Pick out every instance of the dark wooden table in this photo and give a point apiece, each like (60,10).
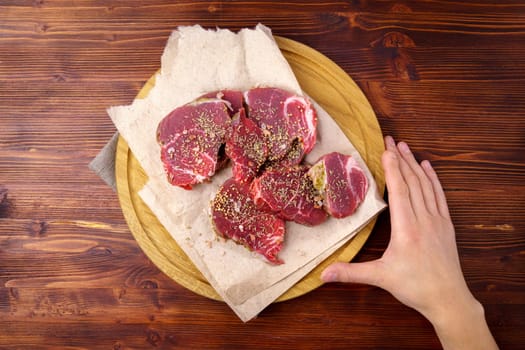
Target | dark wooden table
(447,77)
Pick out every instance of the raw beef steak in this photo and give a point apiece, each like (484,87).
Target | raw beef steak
(246,147)
(283,117)
(341,182)
(234,99)
(235,216)
(292,158)
(191,137)
(290,193)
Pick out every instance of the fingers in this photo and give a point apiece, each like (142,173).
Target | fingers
(415,192)
(425,192)
(441,200)
(425,185)
(401,211)
(367,273)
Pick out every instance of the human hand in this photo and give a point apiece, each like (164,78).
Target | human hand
(420,266)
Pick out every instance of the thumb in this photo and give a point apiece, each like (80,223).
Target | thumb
(367,273)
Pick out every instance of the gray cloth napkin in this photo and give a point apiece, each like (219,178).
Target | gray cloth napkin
(104,163)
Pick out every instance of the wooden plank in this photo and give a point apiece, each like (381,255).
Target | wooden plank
(378,63)
(446,76)
(365,22)
(65,253)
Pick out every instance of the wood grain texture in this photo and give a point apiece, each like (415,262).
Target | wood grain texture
(446,76)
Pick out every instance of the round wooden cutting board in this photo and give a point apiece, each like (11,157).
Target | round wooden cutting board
(329,86)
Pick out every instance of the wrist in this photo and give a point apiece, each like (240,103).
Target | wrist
(457,314)
(462,325)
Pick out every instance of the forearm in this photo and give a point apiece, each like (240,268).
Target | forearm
(464,327)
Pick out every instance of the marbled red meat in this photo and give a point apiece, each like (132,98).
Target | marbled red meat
(246,147)
(233,98)
(235,216)
(302,121)
(191,137)
(265,132)
(341,182)
(294,157)
(289,192)
(283,117)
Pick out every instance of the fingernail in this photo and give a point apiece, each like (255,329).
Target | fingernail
(329,276)
(404,147)
(426,164)
(389,140)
